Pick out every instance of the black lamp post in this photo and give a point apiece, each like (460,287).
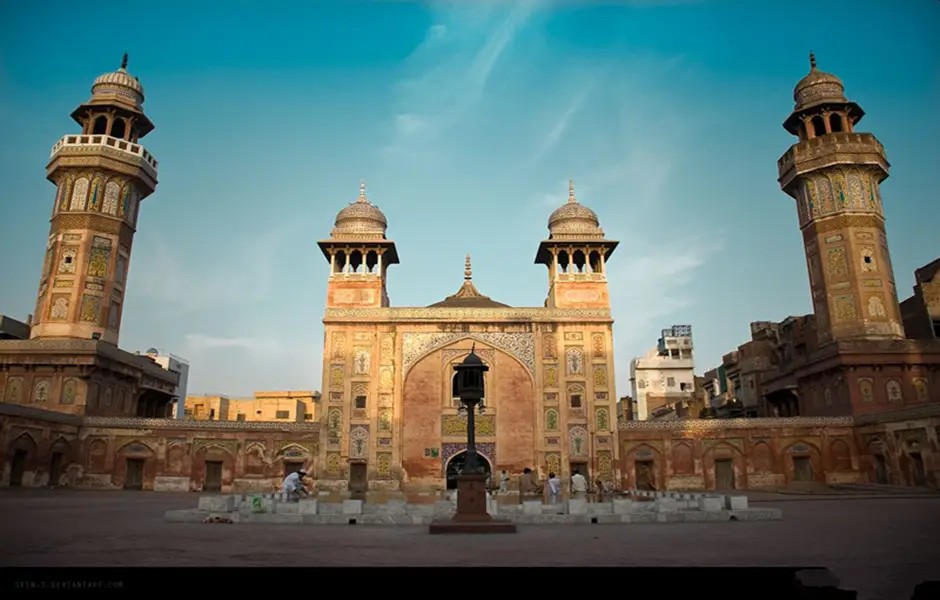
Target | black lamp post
(470,390)
(472,515)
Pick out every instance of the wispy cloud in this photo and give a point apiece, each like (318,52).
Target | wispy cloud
(447,74)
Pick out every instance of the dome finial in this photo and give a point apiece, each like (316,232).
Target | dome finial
(124,62)
(467,272)
(362,190)
(812,61)
(571,197)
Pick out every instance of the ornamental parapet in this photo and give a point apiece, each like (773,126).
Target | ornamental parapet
(80,143)
(170,423)
(720,424)
(467,314)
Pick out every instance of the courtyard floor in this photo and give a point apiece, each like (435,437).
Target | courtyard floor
(880,546)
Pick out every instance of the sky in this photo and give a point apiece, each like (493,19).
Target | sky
(466,120)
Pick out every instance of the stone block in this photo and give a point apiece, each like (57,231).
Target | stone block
(666,505)
(217,503)
(642,517)
(393,507)
(600,508)
(270,504)
(709,504)
(622,506)
(532,507)
(737,502)
(307,507)
(288,508)
(492,506)
(577,506)
(352,507)
(669,517)
(170,484)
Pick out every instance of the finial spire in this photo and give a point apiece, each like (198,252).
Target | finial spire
(362,190)
(812,61)
(571,197)
(467,272)
(124,62)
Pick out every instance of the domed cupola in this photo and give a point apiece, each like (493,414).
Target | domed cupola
(574,220)
(360,219)
(817,87)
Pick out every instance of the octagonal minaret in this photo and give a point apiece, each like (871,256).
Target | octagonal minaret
(101,176)
(833,172)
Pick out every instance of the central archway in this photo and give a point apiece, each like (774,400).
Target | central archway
(455,465)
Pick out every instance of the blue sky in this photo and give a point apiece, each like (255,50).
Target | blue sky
(466,120)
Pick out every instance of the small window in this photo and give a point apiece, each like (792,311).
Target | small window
(360,402)
(576,401)
(240,417)
(671,381)
(641,384)
(282,414)
(211,413)
(308,416)
(188,412)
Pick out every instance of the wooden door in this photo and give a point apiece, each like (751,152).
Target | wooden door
(213,482)
(802,468)
(881,469)
(17,468)
(644,475)
(358,481)
(724,474)
(55,468)
(134,474)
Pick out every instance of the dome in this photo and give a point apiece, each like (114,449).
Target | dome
(817,87)
(120,83)
(573,218)
(361,217)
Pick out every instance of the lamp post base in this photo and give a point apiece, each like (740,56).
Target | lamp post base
(471,516)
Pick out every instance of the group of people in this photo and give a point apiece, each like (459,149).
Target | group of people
(529,485)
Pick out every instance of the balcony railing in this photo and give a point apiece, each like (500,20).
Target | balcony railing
(106,140)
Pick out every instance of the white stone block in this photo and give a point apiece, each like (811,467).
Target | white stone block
(622,506)
(217,503)
(577,506)
(532,507)
(492,507)
(352,507)
(737,502)
(666,505)
(307,506)
(709,504)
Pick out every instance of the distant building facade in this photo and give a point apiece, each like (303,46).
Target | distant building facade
(298,406)
(665,376)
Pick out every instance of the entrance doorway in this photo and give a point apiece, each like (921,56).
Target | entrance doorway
(292,467)
(917,465)
(644,475)
(881,469)
(724,474)
(358,479)
(802,469)
(213,482)
(579,467)
(17,468)
(55,468)
(455,466)
(134,474)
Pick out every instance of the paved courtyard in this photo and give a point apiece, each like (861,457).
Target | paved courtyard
(880,547)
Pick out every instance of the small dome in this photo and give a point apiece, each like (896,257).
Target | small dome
(817,87)
(361,217)
(573,218)
(120,83)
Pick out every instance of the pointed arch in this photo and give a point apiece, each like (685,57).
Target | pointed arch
(527,362)
(25,440)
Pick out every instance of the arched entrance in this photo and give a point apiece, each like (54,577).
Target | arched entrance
(455,465)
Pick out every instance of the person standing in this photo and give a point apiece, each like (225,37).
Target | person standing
(578,484)
(504,482)
(554,488)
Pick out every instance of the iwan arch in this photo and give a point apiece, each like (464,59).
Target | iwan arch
(391,418)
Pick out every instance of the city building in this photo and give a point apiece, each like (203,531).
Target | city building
(921,312)
(179,366)
(294,406)
(664,376)
(391,415)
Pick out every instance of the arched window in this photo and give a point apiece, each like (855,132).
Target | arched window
(118,128)
(819,126)
(101,126)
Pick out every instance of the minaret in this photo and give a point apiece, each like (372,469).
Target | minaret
(576,254)
(833,173)
(359,256)
(101,175)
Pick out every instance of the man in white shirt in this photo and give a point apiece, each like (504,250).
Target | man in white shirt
(578,484)
(293,486)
